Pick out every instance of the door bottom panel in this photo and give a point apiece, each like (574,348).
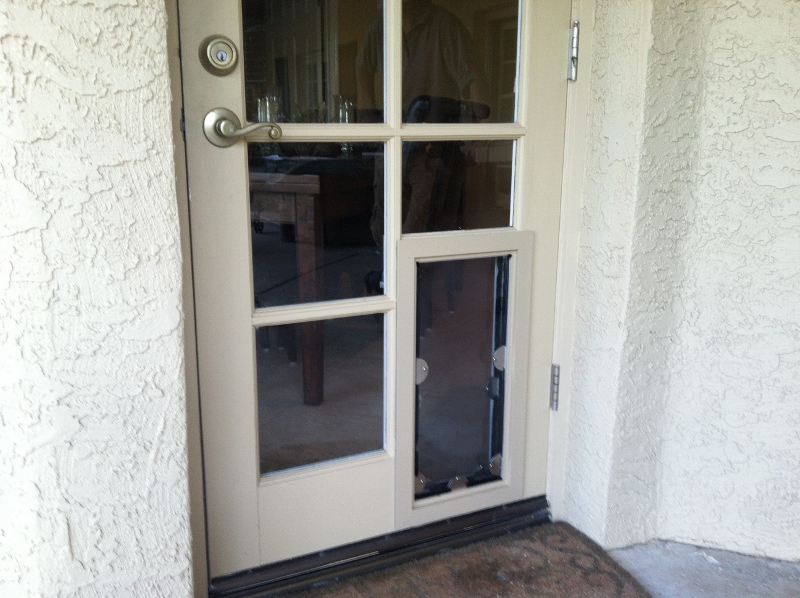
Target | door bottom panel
(390,549)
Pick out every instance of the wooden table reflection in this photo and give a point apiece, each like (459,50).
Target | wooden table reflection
(308,201)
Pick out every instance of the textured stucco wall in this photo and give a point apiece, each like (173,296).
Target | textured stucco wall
(615,137)
(731,439)
(686,395)
(672,119)
(92,399)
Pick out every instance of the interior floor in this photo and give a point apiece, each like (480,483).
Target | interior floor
(674,570)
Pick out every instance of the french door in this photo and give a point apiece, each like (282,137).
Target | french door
(374,202)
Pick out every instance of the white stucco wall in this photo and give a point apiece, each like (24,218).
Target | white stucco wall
(686,397)
(731,435)
(94,495)
(613,154)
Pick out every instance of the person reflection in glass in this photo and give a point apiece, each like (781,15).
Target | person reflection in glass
(441,83)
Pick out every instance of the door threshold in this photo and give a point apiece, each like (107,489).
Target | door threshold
(376,553)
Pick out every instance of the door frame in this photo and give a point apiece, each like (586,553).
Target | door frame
(194,442)
(576,136)
(572,165)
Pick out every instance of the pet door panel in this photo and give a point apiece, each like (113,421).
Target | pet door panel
(461,335)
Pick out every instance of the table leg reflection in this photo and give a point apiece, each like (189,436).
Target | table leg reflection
(280,198)
(309,257)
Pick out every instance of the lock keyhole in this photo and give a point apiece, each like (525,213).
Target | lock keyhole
(218,55)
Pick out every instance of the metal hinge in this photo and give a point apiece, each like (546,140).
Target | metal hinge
(555,374)
(572,70)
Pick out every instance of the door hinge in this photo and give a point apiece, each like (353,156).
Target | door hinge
(572,71)
(555,374)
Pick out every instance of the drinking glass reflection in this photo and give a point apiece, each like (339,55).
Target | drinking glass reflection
(300,59)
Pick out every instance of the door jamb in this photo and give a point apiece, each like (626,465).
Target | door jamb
(194,445)
(575,139)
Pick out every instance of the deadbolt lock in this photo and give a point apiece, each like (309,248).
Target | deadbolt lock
(218,55)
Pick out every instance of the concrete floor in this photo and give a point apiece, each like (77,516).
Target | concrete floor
(673,570)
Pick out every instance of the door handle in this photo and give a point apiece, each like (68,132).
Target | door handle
(223,128)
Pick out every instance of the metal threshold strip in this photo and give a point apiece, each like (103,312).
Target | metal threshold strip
(377,553)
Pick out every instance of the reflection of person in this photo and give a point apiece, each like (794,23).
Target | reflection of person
(438,57)
(440,74)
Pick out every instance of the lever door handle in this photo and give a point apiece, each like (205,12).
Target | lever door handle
(223,128)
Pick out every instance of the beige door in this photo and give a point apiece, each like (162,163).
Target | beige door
(374,276)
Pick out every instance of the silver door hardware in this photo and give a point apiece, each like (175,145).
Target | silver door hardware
(496,465)
(223,129)
(419,483)
(499,358)
(572,71)
(493,388)
(218,55)
(422,370)
(457,483)
(555,374)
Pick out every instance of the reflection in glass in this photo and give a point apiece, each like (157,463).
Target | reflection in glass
(459,61)
(453,185)
(300,59)
(328,406)
(461,324)
(315,232)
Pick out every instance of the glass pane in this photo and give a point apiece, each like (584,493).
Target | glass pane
(304,60)
(453,185)
(320,391)
(317,221)
(457,57)
(461,326)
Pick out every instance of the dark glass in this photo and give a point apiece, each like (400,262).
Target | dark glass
(454,185)
(304,60)
(461,324)
(459,60)
(317,221)
(320,391)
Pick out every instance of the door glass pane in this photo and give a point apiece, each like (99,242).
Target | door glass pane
(461,336)
(320,391)
(454,185)
(317,221)
(304,60)
(459,60)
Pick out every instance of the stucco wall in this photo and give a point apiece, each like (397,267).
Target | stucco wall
(92,399)
(616,105)
(685,403)
(731,437)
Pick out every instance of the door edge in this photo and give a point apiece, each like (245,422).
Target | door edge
(194,451)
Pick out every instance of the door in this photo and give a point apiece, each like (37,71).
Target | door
(374,201)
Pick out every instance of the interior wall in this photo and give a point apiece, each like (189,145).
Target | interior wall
(683,397)
(92,391)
